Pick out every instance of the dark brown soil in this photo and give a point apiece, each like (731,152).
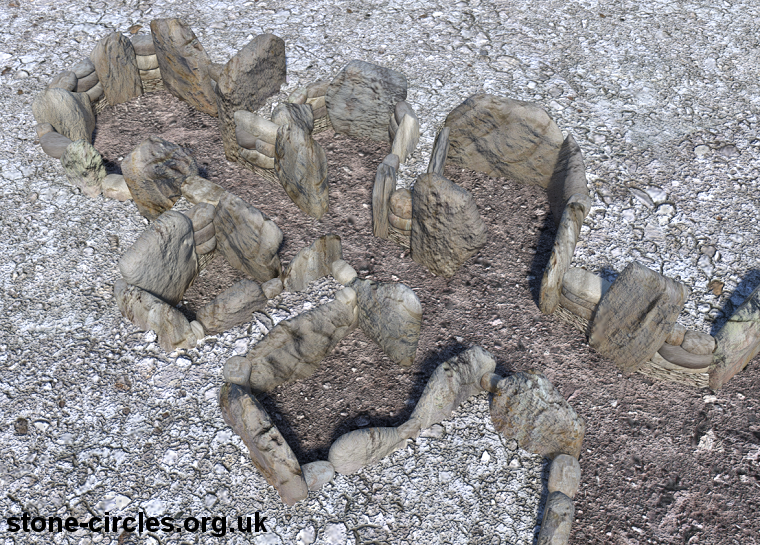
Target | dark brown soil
(644,478)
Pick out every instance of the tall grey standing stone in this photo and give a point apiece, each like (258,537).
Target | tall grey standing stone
(116,65)
(247,238)
(269,451)
(162,260)
(232,307)
(635,316)
(558,520)
(312,262)
(446,227)
(84,167)
(183,63)
(568,179)
(385,183)
(155,171)
(738,341)
(361,99)
(390,314)
(440,152)
(503,137)
(70,114)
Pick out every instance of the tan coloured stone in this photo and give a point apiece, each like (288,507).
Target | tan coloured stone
(317,89)
(258,159)
(197,190)
(312,262)
(147,62)
(115,187)
(354,450)
(402,224)
(70,114)
(143,44)
(697,342)
(245,139)
(568,179)
(294,114)
(299,96)
(676,336)
(316,103)
(558,520)
(146,75)
(678,356)
(406,139)
(83,68)
(232,307)
(738,341)
(115,63)
(401,203)
(265,149)
(272,288)
(342,272)
(580,284)
(256,125)
(95,93)
(564,475)
(202,215)
(385,184)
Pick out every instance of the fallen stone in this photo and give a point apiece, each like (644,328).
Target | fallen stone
(96,93)
(342,272)
(317,474)
(503,137)
(115,63)
(385,184)
(69,113)
(635,316)
(83,68)
(446,227)
(65,80)
(155,171)
(738,341)
(440,152)
(247,238)
(197,190)
(162,260)
(149,312)
(88,82)
(402,224)
(84,167)
(183,63)
(311,263)
(115,187)
(272,288)
(406,139)
(244,138)
(232,307)
(585,286)
(147,62)
(265,149)
(697,342)
(202,215)
(54,144)
(237,370)
(527,408)
(201,236)
(143,44)
(680,357)
(294,114)
(269,451)
(354,450)
(558,520)
(362,97)
(258,159)
(261,128)
(568,179)
(564,475)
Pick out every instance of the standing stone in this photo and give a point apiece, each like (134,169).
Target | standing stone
(385,183)
(272,288)
(294,114)
(143,44)
(312,262)
(70,114)
(446,227)
(115,63)
(558,520)
(564,475)
(155,171)
(636,315)
(162,261)
(232,307)
(84,167)
(269,451)
(407,137)
(390,314)
(568,179)
(183,63)
(503,137)
(65,80)
(88,82)
(440,152)
(247,238)
(527,408)
(197,190)
(342,272)
(361,99)
(738,341)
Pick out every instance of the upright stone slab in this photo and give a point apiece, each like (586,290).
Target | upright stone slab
(116,65)
(503,137)
(738,341)
(385,183)
(294,114)
(568,179)
(636,315)
(232,307)
(70,114)
(558,520)
(361,99)
(155,171)
(440,152)
(269,451)
(183,63)
(312,262)
(446,227)
(84,167)
(247,238)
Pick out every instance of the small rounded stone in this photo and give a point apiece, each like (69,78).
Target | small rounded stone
(237,370)
(565,475)
(401,203)
(342,272)
(272,288)
(197,328)
(317,474)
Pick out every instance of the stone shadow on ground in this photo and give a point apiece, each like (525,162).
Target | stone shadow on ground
(543,246)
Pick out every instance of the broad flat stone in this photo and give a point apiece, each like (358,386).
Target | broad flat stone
(294,348)
(88,82)
(146,62)
(83,68)
(452,383)
(201,236)
(115,63)
(162,260)
(301,166)
(584,286)
(115,187)
(318,474)
(440,152)
(354,450)
(390,314)
(95,93)
(312,262)
(65,80)
(503,137)
(687,360)
(697,342)
(361,99)
(342,272)
(446,227)
(232,307)
(269,451)
(294,114)
(558,520)
(247,238)
(149,312)
(84,167)
(143,44)
(155,171)
(568,179)
(738,341)
(527,408)
(256,158)
(54,144)
(564,475)
(635,316)
(69,113)
(406,139)
(183,63)
(265,149)
(385,184)
(197,190)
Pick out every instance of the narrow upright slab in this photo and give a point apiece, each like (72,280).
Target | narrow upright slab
(385,183)
(568,179)
(636,315)
(558,520)
(312,262)
(738,341)
(440,152)
(70,114)
(407,137)
(116,65)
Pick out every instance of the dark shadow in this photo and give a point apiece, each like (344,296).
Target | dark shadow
(112,167)
(747,285)
(544,496)
(544,247)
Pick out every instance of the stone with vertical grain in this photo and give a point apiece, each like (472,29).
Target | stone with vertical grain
(116,65)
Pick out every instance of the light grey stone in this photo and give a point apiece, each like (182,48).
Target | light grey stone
(54,144)
(261,128)
(69,113)
(272,288)
(392,161)
(83,68)
(206,247)
(568,179)
(317,474)
(564,475)
(401,109)
(197,190)
(342,272)
(143,44)
(115,63)
(232,307)
(95,93)
(43,128)
(317,89)
(237,370)
(440,152)
(697,342)
(312,262)
(197,329)
(681,358)
(385,184)
(558,520)
(406,139)
(84,167)
(584,285)
(147,62)
(64,80)
(299,96)
(294,114)
(354,450)
(265,148)
(88,82)
(201,236)
(258,159)
(244,138)
(676,336)
(202,215)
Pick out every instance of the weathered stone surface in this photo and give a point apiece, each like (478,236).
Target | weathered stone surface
(527,408)
(317,103)
(261,128)
(294,348)
(183,63)
(83,68)
(401,109)
(115,63)
(88,82)
(318,474)
(658,361)
(265,148)
(440,152)
(197,329)
(579,307)
(202,215)
(149,312)
(299,96)
(155,171)
(564,475)
(294,114)
(392,161)
(402,224)
(247,238)
(147,75)
(237,370)
(65,80)
(317,89)
(84,167)
(269,451)
(342,272)
(162,260)
(406,139)
(446,227)
(362,97)
(401,203)
(215,70)
(585,286)
(143,44)
(385,184)
(69,113)
(204,234)
(390,314)
(312,262)
(680,357)
(115,187)
(738,341)
(245,139)
(54,144)
(452,383)
(697,342)
(43,128)
(232,307)
(301,166)
(503,137)
(197,190)
(96,93)
(319,112)
(272,288)
(354,450)
(146,62)
(204,248)
(568,179)
(635,316)
(258,159)
(558,520)
(676,336)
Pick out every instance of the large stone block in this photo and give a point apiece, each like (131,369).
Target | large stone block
(232,307)
(738,341)
(116,66)
(70,114)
